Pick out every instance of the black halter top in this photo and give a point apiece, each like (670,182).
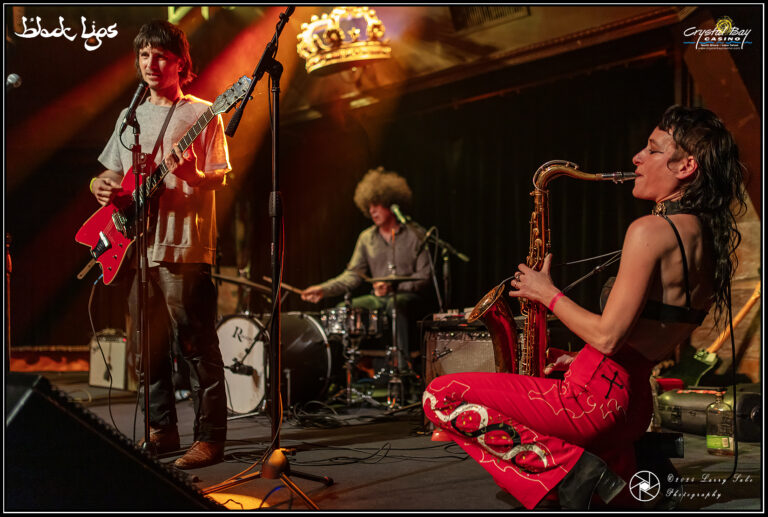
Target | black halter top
(655,310)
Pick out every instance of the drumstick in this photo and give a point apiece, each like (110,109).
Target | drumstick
(285,286)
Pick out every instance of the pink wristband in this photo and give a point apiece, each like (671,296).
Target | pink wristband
(553,301)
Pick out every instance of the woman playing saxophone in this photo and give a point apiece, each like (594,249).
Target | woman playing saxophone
(575,436)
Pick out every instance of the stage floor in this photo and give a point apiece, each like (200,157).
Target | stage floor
(381,460)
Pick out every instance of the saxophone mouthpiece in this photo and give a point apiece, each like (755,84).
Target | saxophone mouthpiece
(618,177)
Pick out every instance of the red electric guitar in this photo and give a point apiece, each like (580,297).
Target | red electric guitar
(110,232)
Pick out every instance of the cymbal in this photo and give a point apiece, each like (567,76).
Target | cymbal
(242,281)
(393,278)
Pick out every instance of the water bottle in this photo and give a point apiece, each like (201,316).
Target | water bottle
(720,437)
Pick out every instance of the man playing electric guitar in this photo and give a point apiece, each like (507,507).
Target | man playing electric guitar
(181,240)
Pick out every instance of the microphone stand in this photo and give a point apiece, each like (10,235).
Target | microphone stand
(446,275)
(432,271)
(447,250)
(141,326)
(276,465)
(614,256)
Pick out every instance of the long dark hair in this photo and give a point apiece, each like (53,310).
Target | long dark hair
(163,34)
(716,193)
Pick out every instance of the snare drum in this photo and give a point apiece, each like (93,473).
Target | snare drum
(340,321)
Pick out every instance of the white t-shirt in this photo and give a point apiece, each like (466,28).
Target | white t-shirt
(186,216)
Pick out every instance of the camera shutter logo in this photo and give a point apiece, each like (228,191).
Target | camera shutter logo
(644,486)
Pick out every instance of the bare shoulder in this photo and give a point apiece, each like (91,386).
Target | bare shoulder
(650,233)
(647,226)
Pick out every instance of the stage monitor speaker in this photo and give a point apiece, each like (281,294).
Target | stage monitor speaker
(61,457)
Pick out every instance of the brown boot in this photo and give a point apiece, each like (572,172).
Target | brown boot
(163,439)
(201,454)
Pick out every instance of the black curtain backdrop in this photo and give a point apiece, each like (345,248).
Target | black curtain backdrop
(471,168)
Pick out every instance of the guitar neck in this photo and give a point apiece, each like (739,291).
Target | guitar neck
(153,181)
(714,347)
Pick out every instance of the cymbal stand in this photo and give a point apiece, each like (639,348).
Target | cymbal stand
(395,388)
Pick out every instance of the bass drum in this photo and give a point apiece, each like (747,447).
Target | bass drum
(307,365)
(242,340)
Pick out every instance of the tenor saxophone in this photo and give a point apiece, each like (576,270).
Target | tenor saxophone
(524,351)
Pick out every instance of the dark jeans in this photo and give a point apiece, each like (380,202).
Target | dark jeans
(411,307)
(181,315)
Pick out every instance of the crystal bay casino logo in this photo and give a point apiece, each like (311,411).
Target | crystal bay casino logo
(725,36)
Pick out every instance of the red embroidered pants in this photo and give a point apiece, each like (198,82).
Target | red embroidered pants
(528,432)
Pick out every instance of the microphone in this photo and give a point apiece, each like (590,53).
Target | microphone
(141,91)
(13,81)
(399,215)
(240,368)
(425,240)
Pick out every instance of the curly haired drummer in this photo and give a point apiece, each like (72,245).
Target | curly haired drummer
(384,249)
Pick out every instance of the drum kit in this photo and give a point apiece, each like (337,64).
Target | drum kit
(308,364)
(353,325)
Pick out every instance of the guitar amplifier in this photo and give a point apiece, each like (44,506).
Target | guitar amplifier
(453,345)
(113,344)
(452,348)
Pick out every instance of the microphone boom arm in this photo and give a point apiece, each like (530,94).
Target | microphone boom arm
(266,62)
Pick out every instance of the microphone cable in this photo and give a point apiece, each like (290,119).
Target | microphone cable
(101,350)
(733,382)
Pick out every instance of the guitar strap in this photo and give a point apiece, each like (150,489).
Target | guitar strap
(151,159)
(162,132)
(130,255)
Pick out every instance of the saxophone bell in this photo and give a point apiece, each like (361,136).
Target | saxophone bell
(494,311)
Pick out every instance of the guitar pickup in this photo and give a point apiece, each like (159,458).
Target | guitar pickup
(119,220)
(102,246)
